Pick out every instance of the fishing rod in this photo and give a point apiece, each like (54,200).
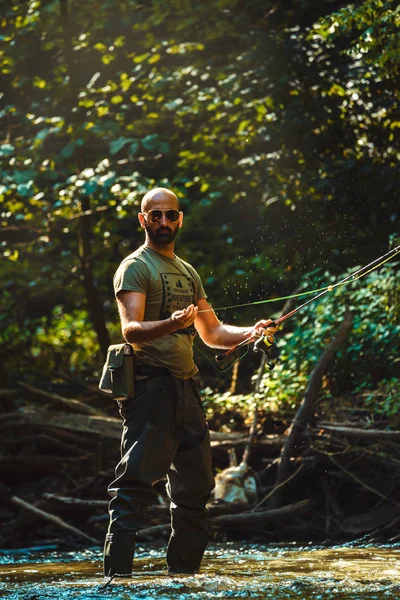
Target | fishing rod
(265,341)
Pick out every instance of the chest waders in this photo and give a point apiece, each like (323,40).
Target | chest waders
(164,434)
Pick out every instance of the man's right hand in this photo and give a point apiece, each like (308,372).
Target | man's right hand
(184,318)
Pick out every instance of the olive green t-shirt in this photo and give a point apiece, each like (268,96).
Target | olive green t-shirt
(169,284)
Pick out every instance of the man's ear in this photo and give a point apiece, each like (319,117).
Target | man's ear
(180,219)
(141,220)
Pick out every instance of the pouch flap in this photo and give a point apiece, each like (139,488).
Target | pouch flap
(115,356)
(114,360)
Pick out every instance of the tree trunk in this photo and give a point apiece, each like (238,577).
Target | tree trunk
(92,296)
(84,236)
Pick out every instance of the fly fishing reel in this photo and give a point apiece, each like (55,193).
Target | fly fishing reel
(266,343)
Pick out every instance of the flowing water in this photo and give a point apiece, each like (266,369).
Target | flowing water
(230,570)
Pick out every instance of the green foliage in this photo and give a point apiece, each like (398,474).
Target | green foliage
(374,27)
(275,129)
(385,399)
(67,336)
(365,368)
(372,351)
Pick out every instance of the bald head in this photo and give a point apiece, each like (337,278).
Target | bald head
(161,218)
(157,198)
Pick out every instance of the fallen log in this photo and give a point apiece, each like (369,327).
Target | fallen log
(42,439)
(149,533)
(98,424)
(8,393)
(45,515)
(29,465)
(70,403)
(375,518)
(257,520)
(111,427)
(250,521)
(264,440)
(366,434)
(9,419)
(221,436)
(77,501)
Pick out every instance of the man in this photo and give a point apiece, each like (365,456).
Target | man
(161,303)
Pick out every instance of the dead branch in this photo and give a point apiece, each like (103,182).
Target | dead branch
(149,533)
(257,520)
(307,407)
(74,405)
(109,427)
(249,442)
(227,442)
(8,393)
(218,436)
(277,487)
(48,440)
(253,428)
(35,463)
(76,501)
(361,482)
(49,517)
(362,434)
(375,519)
(248,521)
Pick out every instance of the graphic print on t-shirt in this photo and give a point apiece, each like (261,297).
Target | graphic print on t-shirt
(178,293)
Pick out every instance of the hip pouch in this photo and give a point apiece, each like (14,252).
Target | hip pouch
(118,376)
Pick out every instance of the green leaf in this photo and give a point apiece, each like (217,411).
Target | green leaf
(89,187)
(165,147)
(100,47)
(133,148)
(42,135)
(151,142)
(118,144)
(23,176)
(6,149)
(68,150)
(25,189)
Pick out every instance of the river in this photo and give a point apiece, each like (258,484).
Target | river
(230,570)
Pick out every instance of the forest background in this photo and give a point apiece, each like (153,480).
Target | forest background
(276,125)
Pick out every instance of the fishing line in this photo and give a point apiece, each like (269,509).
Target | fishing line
(352,277)
(319,291)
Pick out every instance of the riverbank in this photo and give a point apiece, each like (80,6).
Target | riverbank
(339,484)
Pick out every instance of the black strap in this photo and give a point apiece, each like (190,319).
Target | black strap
(148,371)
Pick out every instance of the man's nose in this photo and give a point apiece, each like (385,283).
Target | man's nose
(163,220)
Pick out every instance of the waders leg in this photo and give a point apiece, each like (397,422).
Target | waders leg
(145,462)
(119,549)
(190,482)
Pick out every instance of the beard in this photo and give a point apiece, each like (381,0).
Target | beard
(163,235)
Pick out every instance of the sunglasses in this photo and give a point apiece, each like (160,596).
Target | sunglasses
(155,216)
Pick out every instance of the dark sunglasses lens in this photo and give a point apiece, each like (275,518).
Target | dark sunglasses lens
(172,215)
(155,215)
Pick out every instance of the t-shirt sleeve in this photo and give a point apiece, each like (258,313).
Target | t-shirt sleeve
(132,276)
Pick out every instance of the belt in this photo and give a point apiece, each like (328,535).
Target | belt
(148,371)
